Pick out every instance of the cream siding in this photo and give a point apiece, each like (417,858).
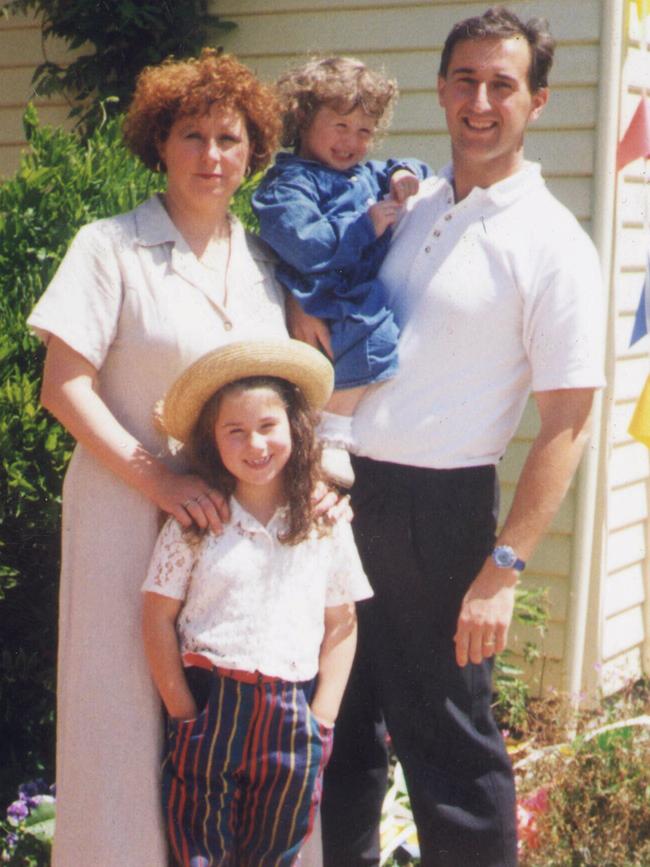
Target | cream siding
(21,51)
(623,609)
(405,38)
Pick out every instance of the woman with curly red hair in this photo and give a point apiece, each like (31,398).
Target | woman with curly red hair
(136,299)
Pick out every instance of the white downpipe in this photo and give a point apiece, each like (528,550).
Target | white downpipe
(587,559)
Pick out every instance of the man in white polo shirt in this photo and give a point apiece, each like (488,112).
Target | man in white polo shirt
(497,292)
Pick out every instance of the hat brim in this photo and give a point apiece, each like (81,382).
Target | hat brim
(287,359)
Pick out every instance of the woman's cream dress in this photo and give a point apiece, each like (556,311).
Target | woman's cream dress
(131,297)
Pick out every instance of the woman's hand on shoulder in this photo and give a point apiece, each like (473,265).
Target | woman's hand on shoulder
(191,501)
(331,504)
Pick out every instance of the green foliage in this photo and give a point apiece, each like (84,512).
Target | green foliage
(512,693)
(125,35)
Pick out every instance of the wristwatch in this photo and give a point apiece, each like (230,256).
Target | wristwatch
(505,558)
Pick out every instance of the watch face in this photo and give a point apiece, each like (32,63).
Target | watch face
(504,556)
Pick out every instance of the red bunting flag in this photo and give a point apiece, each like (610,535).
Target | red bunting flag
(636,141)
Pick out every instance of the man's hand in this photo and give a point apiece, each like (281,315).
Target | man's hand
(485,614)
(403,184)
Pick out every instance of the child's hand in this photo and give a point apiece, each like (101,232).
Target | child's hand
(403,184)
(184,712)
(383,214)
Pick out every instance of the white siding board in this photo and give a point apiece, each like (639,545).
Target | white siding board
(628,505)
(623,632)
(630,377)
(624,590)
(629,463)
(621,413)
(628,292)
(634,246)
(623,331)
(626,547)
(634,200)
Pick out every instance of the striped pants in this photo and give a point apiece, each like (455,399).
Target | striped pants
(242,781)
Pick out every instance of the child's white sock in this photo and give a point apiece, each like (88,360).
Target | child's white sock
(334,428)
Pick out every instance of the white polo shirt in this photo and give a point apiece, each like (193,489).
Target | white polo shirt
(251,602)
(496,294)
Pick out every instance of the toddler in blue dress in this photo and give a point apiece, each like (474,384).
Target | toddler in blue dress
(328,215)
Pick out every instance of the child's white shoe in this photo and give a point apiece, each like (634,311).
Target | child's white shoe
(336,464)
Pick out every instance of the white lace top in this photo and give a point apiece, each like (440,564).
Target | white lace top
(251,602)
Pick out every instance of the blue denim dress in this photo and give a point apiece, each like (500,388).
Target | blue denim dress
(316,219)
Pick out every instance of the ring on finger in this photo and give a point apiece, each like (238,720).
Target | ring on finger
(186,503)
(200,497)
(489,642)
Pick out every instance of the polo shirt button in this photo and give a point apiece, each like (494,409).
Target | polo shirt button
(427,249)
(437,233)
(447,217)
(227,326)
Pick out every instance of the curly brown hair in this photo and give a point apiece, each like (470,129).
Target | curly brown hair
(181,88)
(302,470)
(342,83)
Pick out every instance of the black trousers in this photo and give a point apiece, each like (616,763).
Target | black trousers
(423,535)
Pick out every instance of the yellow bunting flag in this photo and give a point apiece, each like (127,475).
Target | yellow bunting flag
(641,8)
(640,424)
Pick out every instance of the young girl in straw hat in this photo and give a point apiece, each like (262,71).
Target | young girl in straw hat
(250,634)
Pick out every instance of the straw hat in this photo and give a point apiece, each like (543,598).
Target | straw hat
(286,359)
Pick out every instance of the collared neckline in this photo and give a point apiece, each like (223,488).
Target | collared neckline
(240,516)
(503,192)
(154,225)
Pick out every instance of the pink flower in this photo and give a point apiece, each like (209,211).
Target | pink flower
(528,809)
